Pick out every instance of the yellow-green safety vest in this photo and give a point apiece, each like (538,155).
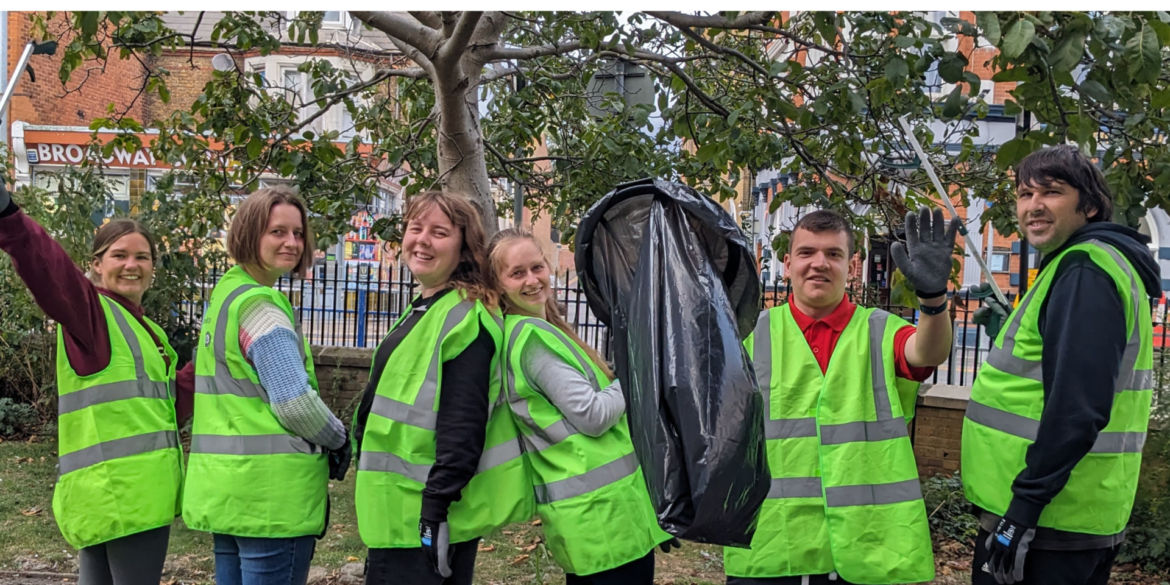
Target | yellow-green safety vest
(120,467)
(845,492)
(398,445)
(249,476)
(590,493)
(1007,401)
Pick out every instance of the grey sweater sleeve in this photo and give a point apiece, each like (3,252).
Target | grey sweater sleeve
(588,409)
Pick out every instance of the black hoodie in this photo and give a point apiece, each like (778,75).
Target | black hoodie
(1082,324)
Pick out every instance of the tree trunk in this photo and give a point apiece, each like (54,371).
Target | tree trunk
(462,168)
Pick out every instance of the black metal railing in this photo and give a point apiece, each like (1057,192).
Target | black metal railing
(355,308)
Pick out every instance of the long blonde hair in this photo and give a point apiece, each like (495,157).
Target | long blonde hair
(498,245)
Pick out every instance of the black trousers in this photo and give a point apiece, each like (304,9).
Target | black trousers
(409,566)
(1051,567)
(636,572)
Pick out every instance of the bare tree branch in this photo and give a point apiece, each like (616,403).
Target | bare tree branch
(456,44)
(430,19)
(417,41)
(744,20)
(725,51)
(503,53)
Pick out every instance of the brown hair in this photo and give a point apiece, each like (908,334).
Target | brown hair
(552,309)
(825,220)
(113,231)
(251,221)
(468,274)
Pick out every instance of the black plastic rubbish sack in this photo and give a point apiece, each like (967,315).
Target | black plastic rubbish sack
(674,278)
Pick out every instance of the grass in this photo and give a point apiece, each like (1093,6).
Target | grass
(514,555)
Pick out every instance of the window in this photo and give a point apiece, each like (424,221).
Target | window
(329,19)
(999,261)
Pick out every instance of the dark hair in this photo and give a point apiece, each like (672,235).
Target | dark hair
(1067,164)
(825,220)
(552,309)
(115,229)
(251,221)
(468,274)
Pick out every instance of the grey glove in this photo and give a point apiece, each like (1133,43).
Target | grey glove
(436,545)
(1008,546)
(925,258)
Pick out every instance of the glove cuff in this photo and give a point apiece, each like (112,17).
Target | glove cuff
(929,295)
(434,511)
(1023,513)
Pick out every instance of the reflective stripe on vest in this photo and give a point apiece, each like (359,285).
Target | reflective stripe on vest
(561,430)
(884,428)
(1129,378)
(223,382)
(140,387)
(422,414)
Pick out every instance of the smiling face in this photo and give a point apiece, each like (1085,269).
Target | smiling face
(1048,213)
(126,267)
(282,244)
(431,248)
(524,278)
(818,266)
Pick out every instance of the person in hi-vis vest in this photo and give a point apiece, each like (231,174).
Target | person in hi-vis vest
(1053,433)
(839,384)
(263,444)
(439,465)
(571,413)
(120,466)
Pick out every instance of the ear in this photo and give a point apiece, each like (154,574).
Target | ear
(787,266)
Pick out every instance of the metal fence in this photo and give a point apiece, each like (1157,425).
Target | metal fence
(337,307)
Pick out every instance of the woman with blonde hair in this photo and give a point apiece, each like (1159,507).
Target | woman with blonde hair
(438,466)
(597,517)
(263,444)
(120,463)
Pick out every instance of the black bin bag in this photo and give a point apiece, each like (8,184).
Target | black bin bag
(674,278)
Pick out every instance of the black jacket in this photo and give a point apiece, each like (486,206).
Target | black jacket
(1082,324)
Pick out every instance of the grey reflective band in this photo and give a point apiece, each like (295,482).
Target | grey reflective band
(498,455)
(1027,428)
(762,360)
(877,365)
(1128,378)
(422,413)
(391,463)
(129,335)
(790,428)
(116,449)
(252,444)
(794,487)
(221,381)
(102,393)
(543,437)
(881,430)
(873,494)
(589,481)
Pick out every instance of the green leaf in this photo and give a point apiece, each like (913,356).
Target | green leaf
(1019,34)
(953,106)
(1013,74)
(897,71)
(989,26)
(1096,90)
(1068,52)
(89,23)
(1143,56)
(950,68)
(1012,152)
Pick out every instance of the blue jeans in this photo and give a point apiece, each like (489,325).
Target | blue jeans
(241,560)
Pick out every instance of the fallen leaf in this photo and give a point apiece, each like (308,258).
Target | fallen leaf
(531,547)
(536,522)
(507,532)
(486,547)
(33,511)
(352,559)
(519,559)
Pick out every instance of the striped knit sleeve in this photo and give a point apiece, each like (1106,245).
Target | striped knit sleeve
(269,340)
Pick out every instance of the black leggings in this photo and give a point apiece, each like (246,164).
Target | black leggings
(409,566)
(136,559)
(636,572)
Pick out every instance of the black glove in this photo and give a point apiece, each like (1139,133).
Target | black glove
(666,547)
(435,545)
(925,258)
(1008,546)
(993,314)
(339,460)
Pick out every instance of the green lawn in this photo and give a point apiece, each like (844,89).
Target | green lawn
(515,555)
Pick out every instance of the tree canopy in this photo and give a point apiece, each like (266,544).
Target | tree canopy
(468,97)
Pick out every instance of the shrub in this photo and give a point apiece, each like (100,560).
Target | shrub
(16,419)
(947,508)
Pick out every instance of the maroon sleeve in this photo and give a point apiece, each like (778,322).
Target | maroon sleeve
(61,290)
(902,367)
(185,392)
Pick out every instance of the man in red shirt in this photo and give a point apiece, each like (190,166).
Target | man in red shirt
(839,384)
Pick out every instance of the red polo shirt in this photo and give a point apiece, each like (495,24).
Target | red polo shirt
(822,336)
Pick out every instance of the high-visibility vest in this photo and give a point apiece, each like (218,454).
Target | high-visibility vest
(584,486)
(1007,401)
(398,445)
(845,492)
(249,476)
(120,468)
